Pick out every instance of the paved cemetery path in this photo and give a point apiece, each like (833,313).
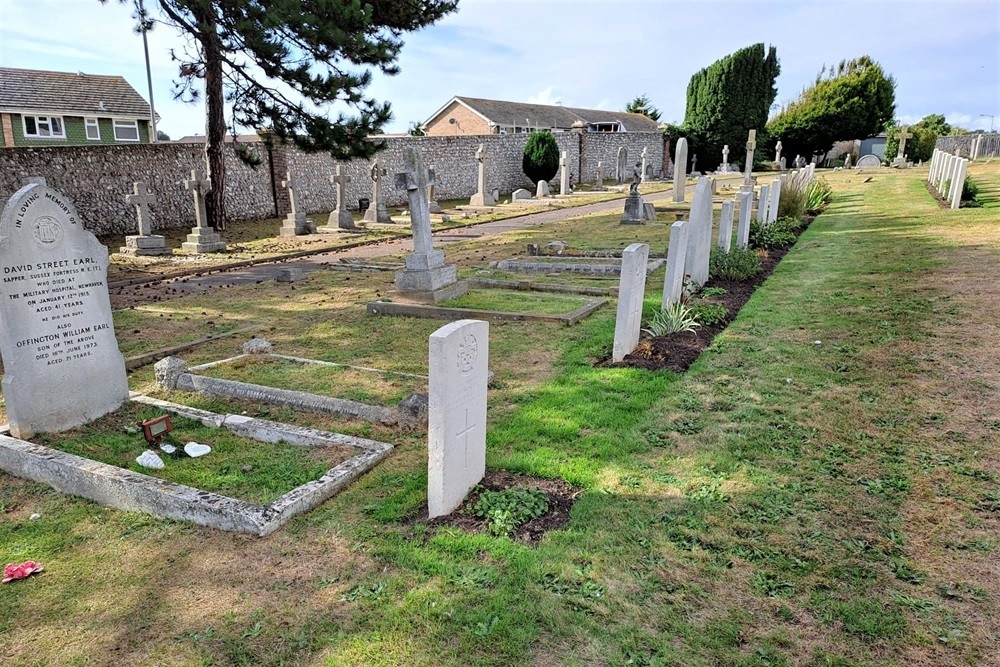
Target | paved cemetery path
(135,295)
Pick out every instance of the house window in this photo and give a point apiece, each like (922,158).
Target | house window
(43,127)
(503,130)
(93,129)
(126,130)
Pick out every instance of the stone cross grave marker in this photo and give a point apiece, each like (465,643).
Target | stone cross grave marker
(726,225)
(295,223)
(563,175)
(377,211)
(694,163)
(903,136)
(777,152)
(743,229)
(724,167)
(680,164)
(341,218)
(202,237)
(763,202)
(772,207)
(432,205)
(748,168)
(458,362)
(426,276)
(700,232)
(62,365)
(599,181)
(673,284)
(482,197)
(631,291)
(145,243)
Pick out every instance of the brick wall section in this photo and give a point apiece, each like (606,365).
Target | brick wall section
(97,178)
(6,130)
(466,122)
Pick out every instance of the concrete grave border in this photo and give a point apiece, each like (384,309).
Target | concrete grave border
(392,308)
(570,264)
(131,491)
(410,412)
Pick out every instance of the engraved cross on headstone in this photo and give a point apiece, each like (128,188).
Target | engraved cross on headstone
(777,151)
(725,154)
(142,198)
(415,181)
(464,435)
(199,186)
(289,184)
(339,180)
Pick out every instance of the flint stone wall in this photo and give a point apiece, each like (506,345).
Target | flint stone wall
(990,145)
(97,178)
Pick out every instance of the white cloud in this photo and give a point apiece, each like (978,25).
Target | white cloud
(546,96)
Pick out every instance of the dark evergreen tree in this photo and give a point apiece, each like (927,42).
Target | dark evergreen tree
(541,157)
(727,99)
(644,106)
(854,100)
(278,63)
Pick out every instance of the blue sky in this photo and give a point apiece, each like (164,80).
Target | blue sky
(944,54)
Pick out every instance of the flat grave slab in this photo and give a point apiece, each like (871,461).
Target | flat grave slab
(399,309)
(610,266)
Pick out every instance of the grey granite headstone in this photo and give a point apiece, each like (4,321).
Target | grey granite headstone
(62,366)
(458,362)
(426,277)
(621,165)
(631,292)
(868,161)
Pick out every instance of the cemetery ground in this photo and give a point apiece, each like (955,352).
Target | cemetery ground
(820,488)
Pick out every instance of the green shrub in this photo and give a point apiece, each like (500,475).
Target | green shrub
(739,264)
(817,196)
(673,319)
(506,510)
(707,292)
(792,203)
(779,234)
(970,194)
(541,157)
(709,314)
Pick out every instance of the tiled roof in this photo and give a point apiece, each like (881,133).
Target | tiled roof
(547,116)
(68,92)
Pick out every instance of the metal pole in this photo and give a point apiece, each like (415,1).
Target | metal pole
(149,74)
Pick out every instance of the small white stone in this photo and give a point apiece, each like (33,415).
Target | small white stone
(168,449)
(817,342)
(149,459)
(35,517)
(788,380)
(194,449)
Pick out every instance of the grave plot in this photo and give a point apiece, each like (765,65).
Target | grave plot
(385,397)
(599,266)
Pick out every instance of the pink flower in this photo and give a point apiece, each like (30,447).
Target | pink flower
(13,571)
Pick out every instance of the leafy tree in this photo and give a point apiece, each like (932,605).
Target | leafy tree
(851,101)
(642,105)
(415,130)
(162,136)
(728,98)
(541,156)
(278,64)
(923,137)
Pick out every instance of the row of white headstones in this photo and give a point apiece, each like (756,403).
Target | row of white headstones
(947,175)
(689,250)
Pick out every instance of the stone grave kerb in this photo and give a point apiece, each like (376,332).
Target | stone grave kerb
(62,364)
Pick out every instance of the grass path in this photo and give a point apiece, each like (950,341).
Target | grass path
(820,489)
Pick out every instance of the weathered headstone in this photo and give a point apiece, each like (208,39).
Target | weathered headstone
(777,152)
(377,210)
(145,243)
(631,292)
(673,285)
(426,277)
(748,167)
(746,211)
(295,223)
(763,202)
(542,190)
(900,161)
(563,175)
(680,165)
(700,232)
(725,168)
(482,197)
(621,165)
(432,204)
(520,194)
(458,362)
(202,237)
(726,225)
(634,212)
(599,181)
(341,218)
(847,161)
(644,155)
(62,366)
(694,163)
(782,164)
(772,207)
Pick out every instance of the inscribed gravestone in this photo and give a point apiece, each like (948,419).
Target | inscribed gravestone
(700,232)
(763,202)
(673,284)
(743,230)
(563,175)
(631,291)
(772,207)
(621,165)
(57,339)
(726,225)
(456,420)
(680,164)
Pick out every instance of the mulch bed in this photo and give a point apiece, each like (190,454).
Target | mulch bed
(561,497)
(676,352)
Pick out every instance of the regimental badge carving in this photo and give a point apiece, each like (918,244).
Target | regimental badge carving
(468,352)
(47,232)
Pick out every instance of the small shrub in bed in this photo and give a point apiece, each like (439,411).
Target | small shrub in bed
(739,264)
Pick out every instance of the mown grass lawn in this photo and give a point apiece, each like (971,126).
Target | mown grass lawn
(819,489)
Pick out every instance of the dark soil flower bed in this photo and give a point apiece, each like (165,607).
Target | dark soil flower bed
(676,352)
(561,496)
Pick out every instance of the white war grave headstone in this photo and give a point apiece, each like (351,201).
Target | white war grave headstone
(680,165)
(763,202)
(340,218)
(631,292)
(426,277)
(563,175)
(202,237)
(673,284)
(700,233)
(726,224)
(62,365)
(743,229)
(772,207)
(482,197)
(458,365)
(145,243)
(377,211)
